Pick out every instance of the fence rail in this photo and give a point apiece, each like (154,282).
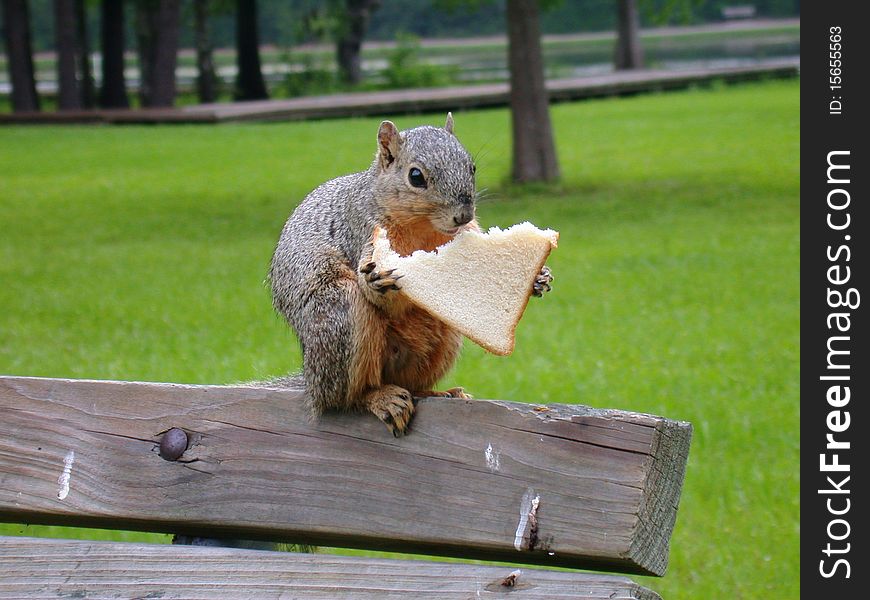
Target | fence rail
(560,485)
(397,102)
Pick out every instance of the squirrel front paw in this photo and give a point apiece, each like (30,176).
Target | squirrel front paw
(393,405)
(454,392)
(542,282)
(381,281)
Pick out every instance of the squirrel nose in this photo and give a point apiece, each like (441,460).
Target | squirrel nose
(465,215)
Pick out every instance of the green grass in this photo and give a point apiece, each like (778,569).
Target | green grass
(140,253)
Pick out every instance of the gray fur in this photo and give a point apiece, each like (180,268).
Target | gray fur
(327,235)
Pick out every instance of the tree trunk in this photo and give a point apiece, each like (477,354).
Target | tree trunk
(628,53)
(113,93)
(355,22)
(19,56)
(206,78)
(144,48)
(249,83)
(68,96)
(534,153)
(166,52)
(157,38)
(83,52)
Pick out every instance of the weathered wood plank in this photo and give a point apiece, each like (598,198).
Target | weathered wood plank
(39,568)
(606,483)
(411,101)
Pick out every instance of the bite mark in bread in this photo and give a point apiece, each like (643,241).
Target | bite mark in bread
(478,283)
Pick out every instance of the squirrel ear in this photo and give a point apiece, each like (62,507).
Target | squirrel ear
(388,143)
(449,125)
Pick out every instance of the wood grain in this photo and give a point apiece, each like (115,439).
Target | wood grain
(39,568)
(607,483)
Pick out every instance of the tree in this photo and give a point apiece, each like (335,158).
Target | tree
(113,93)
(157,40)
(249,82)
(65,30)
(19,55)
(353,24)
(534,152)
(206,78)
(628,53)
(83,51)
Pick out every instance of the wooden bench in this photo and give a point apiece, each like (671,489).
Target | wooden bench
(555,485)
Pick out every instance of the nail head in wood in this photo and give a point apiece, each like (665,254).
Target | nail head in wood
(173,444)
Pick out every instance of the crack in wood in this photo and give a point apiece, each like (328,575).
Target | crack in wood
(122,436)
(569,439)
(187,464)
(573,413)
(248,428)
(533,523)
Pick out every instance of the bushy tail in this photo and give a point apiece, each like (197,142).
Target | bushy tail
(293,382)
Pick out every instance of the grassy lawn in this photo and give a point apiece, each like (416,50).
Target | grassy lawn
(140,253)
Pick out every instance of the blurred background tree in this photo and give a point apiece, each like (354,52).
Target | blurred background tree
(206,76)
(83,52)
(534,151)
(628,52)
(68,93)
(277,19)
(16,34)
(283,47)
(353,22)
(249,81)
(113,92)
(157,23)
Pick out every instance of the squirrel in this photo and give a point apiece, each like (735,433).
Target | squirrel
(364,345)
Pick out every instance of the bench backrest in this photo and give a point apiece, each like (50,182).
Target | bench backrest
(560,485)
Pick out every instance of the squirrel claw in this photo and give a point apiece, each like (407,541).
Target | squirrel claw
(380,281)
(372,276)
(459,392)
(454,392)
(387,285)
(394,406)
(542,282)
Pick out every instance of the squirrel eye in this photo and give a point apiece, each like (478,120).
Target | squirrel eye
(415,177)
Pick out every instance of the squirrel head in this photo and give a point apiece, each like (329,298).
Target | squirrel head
(424,174)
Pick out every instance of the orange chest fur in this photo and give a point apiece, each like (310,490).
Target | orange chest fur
(418,234)
(419,350)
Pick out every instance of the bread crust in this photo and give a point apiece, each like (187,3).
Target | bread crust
(520,251)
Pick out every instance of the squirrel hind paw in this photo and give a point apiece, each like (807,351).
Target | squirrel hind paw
(394,406)
(454,392)
(459,392)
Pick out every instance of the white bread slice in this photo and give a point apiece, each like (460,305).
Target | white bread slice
(478,283)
